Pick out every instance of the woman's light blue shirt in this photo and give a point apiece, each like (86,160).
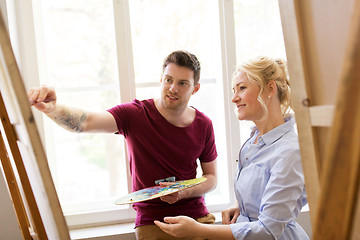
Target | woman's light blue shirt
(269,186)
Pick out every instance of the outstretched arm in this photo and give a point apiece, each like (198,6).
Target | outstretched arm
(72,119)
(182,226)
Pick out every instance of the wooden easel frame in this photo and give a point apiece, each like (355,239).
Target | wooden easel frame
(332,177)
(44,212)
(14,189)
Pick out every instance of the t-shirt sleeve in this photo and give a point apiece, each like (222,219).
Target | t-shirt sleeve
(209,152)
(123,114)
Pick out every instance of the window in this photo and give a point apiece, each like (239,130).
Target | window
(98,54)
(190,25)
(258,33)
(80,57)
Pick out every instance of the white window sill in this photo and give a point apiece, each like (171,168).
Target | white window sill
(109,232)
(125,231)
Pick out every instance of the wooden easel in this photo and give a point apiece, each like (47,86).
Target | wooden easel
(23,158)
(13,185)
(14,188)
(326,101)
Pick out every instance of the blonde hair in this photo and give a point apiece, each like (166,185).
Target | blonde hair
(263,70)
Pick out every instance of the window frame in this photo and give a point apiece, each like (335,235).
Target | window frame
(25,41)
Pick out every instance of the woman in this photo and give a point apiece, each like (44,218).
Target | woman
(269,183)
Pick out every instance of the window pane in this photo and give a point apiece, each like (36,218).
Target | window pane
(80,58)
(258,29)
(160,27)
(258,32)
(80,42)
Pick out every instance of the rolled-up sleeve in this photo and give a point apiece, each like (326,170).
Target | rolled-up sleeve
(250,230)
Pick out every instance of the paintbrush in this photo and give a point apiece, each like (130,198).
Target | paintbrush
(44,101)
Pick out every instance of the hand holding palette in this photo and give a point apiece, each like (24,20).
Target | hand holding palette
(158,191)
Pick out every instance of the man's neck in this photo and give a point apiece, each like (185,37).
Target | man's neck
(179,117)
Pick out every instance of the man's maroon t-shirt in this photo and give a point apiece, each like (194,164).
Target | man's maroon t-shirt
(157,149)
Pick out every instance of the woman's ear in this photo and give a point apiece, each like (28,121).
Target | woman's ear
(272,88)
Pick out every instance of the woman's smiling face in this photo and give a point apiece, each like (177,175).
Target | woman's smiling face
(247,105)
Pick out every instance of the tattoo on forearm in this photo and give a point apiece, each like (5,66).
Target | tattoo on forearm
(72,121)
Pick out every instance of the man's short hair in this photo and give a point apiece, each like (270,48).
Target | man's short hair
(184,59)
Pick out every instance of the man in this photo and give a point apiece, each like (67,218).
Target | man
(164,138)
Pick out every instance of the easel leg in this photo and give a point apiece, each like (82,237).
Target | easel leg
(14,191)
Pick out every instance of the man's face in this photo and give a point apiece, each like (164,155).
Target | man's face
(177,86)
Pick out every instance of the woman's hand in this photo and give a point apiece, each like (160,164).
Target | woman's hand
(230,215)
(180,226)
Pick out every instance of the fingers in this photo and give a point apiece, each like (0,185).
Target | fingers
(225,215)
(236,215)
(160,224)
(168,221)
(168,226)
(41,94)
(170,199)
(230,215)
(33,95)
(166,184)
(180,226)
(172,220)
(163,226)
(43,98)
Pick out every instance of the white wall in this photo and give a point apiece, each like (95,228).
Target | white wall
(304,220)
(9,227)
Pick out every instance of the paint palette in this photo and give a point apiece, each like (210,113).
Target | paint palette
(158,191)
